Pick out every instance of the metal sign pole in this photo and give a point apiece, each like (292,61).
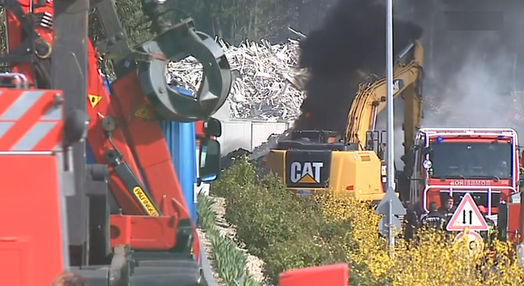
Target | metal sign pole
(390,206)
(391,229)
(390,110)
(389,96)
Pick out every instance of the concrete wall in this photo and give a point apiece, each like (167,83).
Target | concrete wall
(247,134)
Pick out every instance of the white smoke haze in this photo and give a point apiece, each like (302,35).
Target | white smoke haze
(472,77)
(469,75)
(476,95)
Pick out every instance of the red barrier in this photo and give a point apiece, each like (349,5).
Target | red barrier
(329,275)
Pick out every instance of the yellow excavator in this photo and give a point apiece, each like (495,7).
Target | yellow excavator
(315,160)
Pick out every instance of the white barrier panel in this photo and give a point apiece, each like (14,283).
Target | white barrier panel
(247,134)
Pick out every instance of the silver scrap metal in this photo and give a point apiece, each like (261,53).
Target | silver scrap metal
(266,84)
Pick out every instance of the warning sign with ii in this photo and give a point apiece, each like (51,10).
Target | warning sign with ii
(467,216)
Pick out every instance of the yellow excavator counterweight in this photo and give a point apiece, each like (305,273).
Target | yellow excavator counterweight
(348,171)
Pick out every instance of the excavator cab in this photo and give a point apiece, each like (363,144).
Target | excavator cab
(376,141)
(318,136)
(313,140)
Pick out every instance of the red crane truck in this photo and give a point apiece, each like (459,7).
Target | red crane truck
(451,162)
(139,231)
(483,162)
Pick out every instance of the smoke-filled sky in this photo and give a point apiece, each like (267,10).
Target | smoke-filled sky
(474,53)
(471,65)
(352,38)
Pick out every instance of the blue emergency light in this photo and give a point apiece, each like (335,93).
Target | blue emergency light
(440,139)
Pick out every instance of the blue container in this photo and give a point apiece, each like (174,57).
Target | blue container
(181,141)
(180,138)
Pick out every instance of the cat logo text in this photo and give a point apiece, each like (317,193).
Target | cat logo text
(306,172)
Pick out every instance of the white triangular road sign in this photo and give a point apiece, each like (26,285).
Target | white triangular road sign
(467,216)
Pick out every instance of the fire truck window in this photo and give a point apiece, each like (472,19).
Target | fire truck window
(471,160)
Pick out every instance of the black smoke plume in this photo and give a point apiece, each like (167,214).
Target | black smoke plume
(350,43)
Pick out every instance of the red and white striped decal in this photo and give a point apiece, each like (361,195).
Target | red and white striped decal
(30,120)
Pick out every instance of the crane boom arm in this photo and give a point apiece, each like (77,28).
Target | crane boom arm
(370,99)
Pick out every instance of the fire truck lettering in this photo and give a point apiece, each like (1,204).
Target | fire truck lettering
(470,183)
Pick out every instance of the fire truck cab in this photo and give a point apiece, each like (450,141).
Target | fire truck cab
(451,162)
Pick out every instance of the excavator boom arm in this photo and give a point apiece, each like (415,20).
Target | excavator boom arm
(370,99)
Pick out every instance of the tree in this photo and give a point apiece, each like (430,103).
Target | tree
(236,20)
(132,19)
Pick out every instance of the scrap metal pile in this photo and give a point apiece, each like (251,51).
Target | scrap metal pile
(265,87)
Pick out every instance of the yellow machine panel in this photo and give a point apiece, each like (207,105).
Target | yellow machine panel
(306,171)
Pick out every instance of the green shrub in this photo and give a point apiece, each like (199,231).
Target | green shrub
(298,253)
(242,173)
(285,230)
(262,219)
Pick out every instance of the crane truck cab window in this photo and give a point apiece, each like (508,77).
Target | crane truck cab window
(482,160)
(210,160)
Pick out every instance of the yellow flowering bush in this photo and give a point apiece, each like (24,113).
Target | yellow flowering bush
(288,231)
(433,259)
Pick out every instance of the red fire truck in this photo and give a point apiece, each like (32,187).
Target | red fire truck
(451,162)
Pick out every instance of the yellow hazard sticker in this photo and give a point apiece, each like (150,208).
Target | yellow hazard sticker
(144,200)
(143,112)
(94,100)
